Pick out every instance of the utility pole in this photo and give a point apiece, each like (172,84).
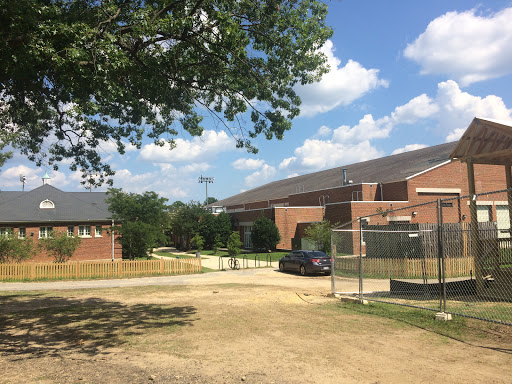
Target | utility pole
(206,180)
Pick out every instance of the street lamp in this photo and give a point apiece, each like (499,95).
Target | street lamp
(206,180)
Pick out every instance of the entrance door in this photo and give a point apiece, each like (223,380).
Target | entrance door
(247,237)
(503,221)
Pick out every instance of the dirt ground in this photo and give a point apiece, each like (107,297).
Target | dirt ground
(257,326)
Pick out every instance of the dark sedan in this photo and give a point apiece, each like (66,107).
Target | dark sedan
(306,262)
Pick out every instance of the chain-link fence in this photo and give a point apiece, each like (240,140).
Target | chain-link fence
(431,256)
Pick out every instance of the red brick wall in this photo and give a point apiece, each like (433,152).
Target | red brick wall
(287,219)
(332,195)
(257,205)
(93,248)
(395,191)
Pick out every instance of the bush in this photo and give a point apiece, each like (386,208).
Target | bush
(14,249)
(60,245)
(197,242)
(234,244)
(265,234)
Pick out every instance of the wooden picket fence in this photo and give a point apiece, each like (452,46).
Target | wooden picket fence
(98,269)
(406,268)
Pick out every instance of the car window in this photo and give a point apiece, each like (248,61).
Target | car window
(317,254)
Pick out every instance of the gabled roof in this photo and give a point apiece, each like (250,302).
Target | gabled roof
(485,141)
(24,207)
(384,170)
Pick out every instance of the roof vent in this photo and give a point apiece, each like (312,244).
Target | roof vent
(46,204)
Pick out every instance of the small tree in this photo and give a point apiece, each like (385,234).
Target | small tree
(14,249)
(217,244)
(197,242)
(138,239)
(265,234)
(60,245)
(320,235)
(234,244)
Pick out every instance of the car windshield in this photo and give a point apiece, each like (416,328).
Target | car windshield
(317,254)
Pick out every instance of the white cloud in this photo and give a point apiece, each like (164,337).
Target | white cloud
(202,148)
(323,131)
(11,178)
(244,164)
(457,109)
(465,46)
(315,155)
(451,110)
(341,86)
(265,174)
(408,147)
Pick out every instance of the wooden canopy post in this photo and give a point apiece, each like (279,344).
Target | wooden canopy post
(475,235)
(508,175)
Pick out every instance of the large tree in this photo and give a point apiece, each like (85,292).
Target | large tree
(77,73)
(144,220)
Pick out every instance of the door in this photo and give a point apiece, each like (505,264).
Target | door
(247,237)
(503,221)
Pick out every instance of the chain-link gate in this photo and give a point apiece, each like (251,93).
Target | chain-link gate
(430,256)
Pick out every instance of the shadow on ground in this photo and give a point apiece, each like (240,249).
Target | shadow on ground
(39,324)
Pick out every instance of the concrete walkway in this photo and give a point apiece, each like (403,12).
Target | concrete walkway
(212,262)
(207,261)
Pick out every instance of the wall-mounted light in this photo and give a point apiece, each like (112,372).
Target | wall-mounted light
(464,217)
(414,214)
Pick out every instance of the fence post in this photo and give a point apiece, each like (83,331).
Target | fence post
(333,265)
(162,265)
(360,259)
(77,272)
(120,268)
(33,271)
(441,270)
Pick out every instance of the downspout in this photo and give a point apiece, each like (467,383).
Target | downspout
(381,192)
(112,235)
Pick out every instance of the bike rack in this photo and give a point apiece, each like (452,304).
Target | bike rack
(269,259)
(245,261)
(256,255)
(221,263)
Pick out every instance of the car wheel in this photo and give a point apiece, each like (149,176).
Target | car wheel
(281,267)
(303,270)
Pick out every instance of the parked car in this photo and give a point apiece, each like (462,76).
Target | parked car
(306,262)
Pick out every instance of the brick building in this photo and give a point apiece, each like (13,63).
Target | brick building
(346,193)
(36,213)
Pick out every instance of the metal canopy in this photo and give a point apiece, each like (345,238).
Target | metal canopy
(485,142)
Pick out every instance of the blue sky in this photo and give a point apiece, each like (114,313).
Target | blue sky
(404,75)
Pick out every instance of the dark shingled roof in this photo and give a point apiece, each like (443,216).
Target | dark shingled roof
(23,207)
(383,170)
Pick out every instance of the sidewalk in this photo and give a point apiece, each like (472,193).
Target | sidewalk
(207,261)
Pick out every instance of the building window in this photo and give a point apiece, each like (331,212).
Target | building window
(22,232)
(46,204)
(5,231)
(45,231)
(84,230)
(71,230)
(97,231)
(247,237)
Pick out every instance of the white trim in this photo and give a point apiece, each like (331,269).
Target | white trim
(439,190)
(235,210)
(501,202)
(485,202)
(314,206)
(370,201)
(246,224)
(250,210)
(398,218)
(47,204)
(335,187)
(429,169)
